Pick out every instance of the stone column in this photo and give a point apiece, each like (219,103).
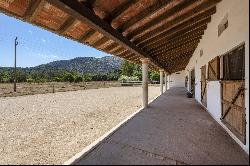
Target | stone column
(161,80)
(145,62)
(166,81)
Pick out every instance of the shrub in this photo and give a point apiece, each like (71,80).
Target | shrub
(154,76)
(126,78)
(5,77)
(29,80)
(78,79)
(57,79)
(87,77)
(68,77)
(138,74)
(127,68)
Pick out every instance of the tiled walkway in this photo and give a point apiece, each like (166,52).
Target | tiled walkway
(172,130)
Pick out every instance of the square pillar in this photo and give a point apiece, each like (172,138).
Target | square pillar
(161,80)
(145,62)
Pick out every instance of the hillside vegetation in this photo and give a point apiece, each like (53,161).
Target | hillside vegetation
(77,70)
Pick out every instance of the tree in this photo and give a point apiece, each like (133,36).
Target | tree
(154,76)
(57,79)
(87,77)
(127,68)
(138,74)
(30,80)
(78,79)
(21,76)
(68,77)
(5,77)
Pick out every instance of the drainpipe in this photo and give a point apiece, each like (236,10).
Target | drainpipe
(145,62)
(161,80)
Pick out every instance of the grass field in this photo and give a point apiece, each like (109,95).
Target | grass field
(6,90)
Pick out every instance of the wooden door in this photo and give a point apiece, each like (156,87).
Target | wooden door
(192,80)
(233,107)
(204,85)
(186,81)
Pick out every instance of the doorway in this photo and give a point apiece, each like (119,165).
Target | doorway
(204,85)
(192,82)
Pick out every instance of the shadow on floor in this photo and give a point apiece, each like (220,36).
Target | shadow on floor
(172,130)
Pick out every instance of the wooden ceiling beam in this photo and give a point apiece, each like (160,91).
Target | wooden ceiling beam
(174,46)
(179,46)
(88,3)
(119,10)
(84,14)
(172,57)
(87,35)
(179,17)
(185,19)
(33,5)
(195,32)
(130,56)
(177,41)
(110,47)
(144,14)
(66,25)
(180,57)
(106,44)
(117,51)
(123,54)
(164,16)
(179,64)
(173,32)
(100,42)
(177,51)
(34,9)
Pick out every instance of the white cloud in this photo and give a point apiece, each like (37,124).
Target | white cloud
(55,57)
(48,57)
(30,32)
(43,40)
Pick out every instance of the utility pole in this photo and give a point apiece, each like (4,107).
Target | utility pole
(15,72)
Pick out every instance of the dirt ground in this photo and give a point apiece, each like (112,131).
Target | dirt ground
(51,128)
(6,90)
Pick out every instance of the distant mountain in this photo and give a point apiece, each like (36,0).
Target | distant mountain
(87,68)
(84,65)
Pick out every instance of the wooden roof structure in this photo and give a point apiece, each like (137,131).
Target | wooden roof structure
(165,31)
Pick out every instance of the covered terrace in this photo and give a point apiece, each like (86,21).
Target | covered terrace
(160,35)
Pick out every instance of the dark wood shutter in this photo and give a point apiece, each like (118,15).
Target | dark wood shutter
(214,69)
(186,81)
(234,64)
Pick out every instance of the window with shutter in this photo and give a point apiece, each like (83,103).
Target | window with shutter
(214,69)
(234,64)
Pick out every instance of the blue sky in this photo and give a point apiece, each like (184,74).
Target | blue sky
(37,46)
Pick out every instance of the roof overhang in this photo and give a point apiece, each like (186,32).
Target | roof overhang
(166,32)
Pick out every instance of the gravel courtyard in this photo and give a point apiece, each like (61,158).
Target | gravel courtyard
(51,128)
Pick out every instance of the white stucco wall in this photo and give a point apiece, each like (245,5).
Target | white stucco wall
(212,45)
(177,80)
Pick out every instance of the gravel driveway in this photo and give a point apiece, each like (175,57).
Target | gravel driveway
(51,128)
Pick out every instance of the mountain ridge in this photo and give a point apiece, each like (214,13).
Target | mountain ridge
(81,65)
